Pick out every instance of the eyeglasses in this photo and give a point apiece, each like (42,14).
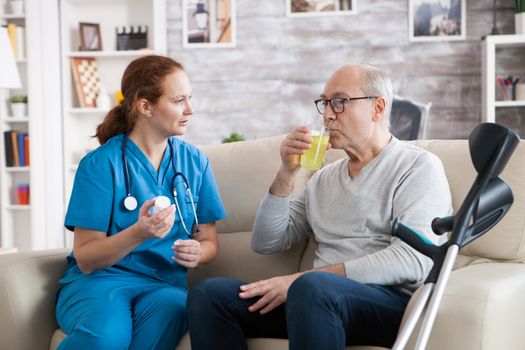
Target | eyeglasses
(337,104)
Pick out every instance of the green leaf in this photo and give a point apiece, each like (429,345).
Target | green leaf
(234,137)
(18,99)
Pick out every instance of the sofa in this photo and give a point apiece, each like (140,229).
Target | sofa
(484,302)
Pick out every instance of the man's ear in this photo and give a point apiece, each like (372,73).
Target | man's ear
(144,107)
(379,109)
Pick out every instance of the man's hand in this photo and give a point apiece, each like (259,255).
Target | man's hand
(293,146)
(273,292)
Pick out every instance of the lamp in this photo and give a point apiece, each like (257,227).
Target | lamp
(495,30)
(201,16)
(9,78)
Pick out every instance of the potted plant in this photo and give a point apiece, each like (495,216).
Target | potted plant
(18,106)
(519,17)
(234,137)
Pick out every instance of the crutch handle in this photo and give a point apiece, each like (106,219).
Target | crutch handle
(442,225)
(413,238)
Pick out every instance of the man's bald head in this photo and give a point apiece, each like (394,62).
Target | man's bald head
(372,82)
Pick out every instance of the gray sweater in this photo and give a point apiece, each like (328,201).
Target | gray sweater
(351,218)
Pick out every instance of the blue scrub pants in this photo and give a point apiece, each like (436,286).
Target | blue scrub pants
(121,311)
(322,311)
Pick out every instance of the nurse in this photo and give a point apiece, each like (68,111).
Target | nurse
(125,285)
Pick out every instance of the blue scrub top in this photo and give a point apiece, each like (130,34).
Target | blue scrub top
(99,190)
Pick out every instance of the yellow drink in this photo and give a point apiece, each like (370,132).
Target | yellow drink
(313,158)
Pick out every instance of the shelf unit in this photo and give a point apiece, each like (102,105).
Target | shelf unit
(15,218)
(79,124)
(491,46)
(37,225)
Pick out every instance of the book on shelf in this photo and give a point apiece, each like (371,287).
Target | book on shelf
(21,149)
(9,161)
(26,149)
(14,142)
(16,148)
(17,37)
(11,30)
(20,34)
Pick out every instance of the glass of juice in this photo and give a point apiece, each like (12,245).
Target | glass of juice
(313,158)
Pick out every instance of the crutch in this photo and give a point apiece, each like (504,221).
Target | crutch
(489,199)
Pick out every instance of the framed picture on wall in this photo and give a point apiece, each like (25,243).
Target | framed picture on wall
(436,20)
(208,23)
(309,8)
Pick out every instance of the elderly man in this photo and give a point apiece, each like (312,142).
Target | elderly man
(363,276)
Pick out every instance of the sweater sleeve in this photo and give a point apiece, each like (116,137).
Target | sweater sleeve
(421,194)
(279,223)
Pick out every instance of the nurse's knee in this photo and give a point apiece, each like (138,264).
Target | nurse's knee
(104,335)
(172,304)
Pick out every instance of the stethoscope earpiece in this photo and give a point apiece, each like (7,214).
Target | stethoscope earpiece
(130,202)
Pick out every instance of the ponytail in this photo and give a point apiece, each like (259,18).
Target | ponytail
(115,122)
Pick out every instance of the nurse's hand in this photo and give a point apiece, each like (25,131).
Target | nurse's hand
(187,252)
(155,225)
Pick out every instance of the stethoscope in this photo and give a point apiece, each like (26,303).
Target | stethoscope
(130,202)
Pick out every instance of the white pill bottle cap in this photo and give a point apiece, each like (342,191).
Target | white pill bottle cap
(161,202)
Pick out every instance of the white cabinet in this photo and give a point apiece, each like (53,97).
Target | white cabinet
(13,214)
(25,226)
(79,124)
(493,47)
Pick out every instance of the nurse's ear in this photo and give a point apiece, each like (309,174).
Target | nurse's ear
(144,107)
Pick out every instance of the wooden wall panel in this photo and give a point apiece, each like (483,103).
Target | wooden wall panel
(265,86)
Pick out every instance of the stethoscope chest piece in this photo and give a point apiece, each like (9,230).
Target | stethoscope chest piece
(130,203)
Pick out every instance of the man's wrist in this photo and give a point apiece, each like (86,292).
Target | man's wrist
(288,172)
(284,182)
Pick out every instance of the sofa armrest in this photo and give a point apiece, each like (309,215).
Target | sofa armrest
(483,308)
(28,284)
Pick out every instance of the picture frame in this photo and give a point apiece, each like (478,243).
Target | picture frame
(86,80)
(311,8)
(437,20)
(90,38)
(208,23)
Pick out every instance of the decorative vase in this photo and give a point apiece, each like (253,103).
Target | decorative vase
(103,101)
(19,109)
(519,22)
(520,92)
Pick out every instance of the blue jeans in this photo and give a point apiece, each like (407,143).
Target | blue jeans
(121,311)
(322,311)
